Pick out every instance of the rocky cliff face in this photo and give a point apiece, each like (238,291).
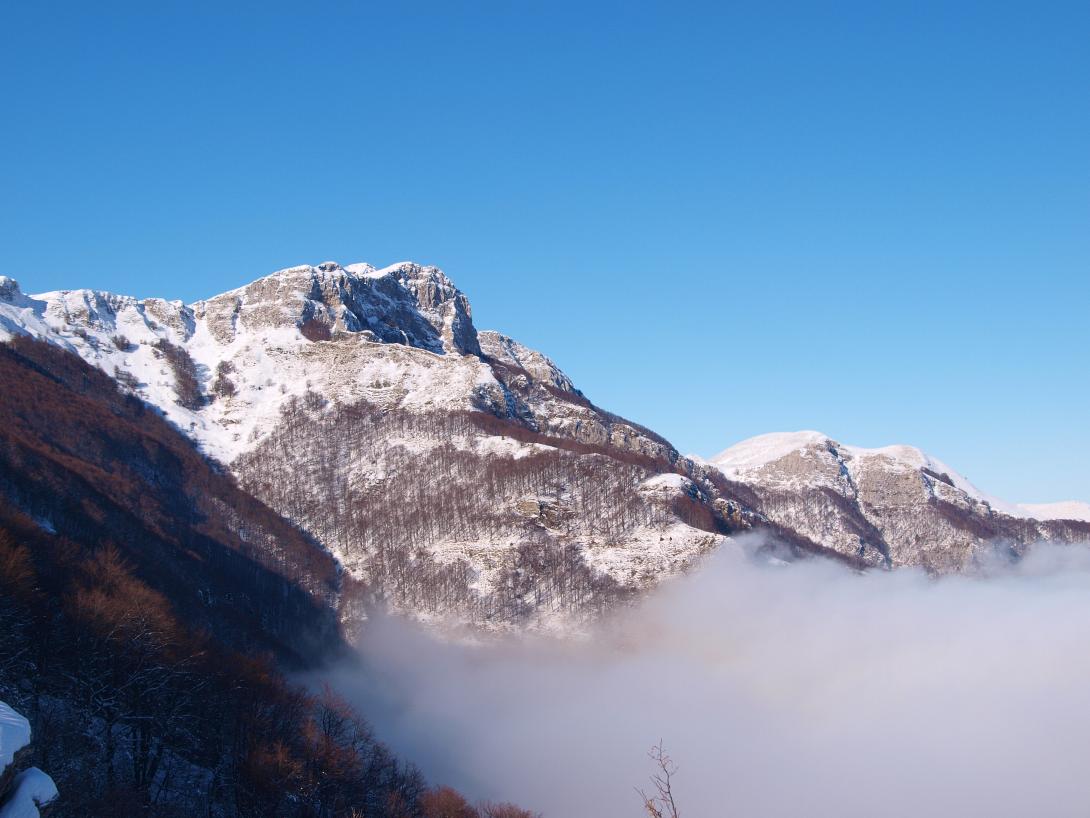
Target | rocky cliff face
(883,507)
(221,369)
(404,304)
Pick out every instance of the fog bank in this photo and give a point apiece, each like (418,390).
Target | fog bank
(779,690)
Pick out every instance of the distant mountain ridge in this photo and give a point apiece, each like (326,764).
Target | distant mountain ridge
(459,474)
(894,505)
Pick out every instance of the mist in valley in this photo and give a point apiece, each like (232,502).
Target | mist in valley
(779,690)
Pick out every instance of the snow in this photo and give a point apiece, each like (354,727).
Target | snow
(647,554)
(758,451)
(752,454)
(14,734)
(910,458)
(1064,510)
(667,482)
(31,789)
(745,459)
(256,331)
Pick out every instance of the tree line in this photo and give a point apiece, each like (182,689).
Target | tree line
(381,486)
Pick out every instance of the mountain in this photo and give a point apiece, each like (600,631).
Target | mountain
(456,473)
(198,499)
(890,506)
(450,472)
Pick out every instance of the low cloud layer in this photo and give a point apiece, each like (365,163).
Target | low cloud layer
(779,690)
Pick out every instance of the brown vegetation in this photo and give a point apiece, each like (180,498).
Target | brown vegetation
(147,605)
(223,386)
(186,383)
(444,802)
(97,467)
(136,714)
(386,526)
(315,330)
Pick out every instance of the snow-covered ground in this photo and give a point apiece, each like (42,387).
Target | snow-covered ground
(1064,510)
(14,734)
(30,788)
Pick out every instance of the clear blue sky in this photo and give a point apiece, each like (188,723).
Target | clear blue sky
(872,219)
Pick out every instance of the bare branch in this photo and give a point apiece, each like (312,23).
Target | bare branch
(661,804)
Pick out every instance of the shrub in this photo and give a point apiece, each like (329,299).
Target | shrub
(315,330)
(223,386)
(126,378)
(185,374)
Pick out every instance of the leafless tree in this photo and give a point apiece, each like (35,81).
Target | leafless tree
(661,804)
(489,809)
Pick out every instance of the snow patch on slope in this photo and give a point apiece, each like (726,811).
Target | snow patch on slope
(909,458)
(31,790)
(14,734)
(668,482)
(758,451)
(1064,510)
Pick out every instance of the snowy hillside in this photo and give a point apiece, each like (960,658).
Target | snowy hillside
(337,393)
(246,352)
(893,505)
(1063,510)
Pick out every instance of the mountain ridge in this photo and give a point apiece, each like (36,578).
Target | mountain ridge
(894,505)
(762,449)
(383,372)
(459,474)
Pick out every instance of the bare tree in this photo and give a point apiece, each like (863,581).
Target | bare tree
(661,803)
(490,809)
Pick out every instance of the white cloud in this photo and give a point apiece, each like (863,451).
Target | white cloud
(780,691)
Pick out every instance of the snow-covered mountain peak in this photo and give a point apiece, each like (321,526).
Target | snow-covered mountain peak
(223,368)
(910,458)
(405,303)
(349,377)
(890,505)
(763,449)
(810,456)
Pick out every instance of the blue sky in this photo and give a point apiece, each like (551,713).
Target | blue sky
(872,219)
